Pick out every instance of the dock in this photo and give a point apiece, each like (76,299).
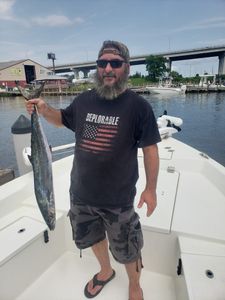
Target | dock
(136,89)
(205,89)
(61,93)
(190,89)
(6,175)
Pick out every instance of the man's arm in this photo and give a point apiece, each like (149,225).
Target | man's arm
(151,163)
(51,114)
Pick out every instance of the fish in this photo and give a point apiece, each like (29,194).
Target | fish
(41,161)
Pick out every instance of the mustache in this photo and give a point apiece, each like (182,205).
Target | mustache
(110,74)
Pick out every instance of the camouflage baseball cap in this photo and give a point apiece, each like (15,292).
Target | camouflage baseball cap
(115,48)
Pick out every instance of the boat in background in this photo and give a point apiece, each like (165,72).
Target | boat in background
(184,251)
(166,88)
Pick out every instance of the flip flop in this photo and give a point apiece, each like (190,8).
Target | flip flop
(97,282)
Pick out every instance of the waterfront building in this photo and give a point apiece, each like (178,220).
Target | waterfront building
(26,71)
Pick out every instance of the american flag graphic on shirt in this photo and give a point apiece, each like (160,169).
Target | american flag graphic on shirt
(98,138)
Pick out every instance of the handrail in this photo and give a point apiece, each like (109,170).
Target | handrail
(62,147)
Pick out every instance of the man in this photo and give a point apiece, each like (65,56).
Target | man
(110,123)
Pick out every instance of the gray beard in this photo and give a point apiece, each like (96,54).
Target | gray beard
(110,92)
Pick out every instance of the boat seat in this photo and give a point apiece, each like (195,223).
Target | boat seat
(203,264)
(20,228)
(17,235)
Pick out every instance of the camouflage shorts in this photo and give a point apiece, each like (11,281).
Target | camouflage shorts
(90,225)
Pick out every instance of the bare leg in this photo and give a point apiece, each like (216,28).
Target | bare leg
(102,254)
(134,274)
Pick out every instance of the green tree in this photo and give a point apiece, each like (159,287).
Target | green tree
(176,76)
(156,67)
(136,75)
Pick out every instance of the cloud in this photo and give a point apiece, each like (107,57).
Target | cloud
(79,20)
(212,42)
(6,9)
(55,21)
(6,12)
(7,51)
(218,22)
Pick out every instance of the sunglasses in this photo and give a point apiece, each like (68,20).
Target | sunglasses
(114,63)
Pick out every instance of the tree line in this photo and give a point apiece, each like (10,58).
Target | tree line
(156,67)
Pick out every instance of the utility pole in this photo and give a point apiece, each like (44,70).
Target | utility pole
(53,58)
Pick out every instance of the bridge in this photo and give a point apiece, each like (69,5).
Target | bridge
(171,56)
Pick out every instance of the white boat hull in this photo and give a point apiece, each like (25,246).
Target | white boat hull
(188,224)
(165,90)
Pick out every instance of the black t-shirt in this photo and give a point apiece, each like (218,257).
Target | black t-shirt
(108,134)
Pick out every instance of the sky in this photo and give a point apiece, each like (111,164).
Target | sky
(75,29)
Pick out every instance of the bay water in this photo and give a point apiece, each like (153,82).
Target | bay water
(203,123)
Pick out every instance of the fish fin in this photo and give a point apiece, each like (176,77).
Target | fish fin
(35,93)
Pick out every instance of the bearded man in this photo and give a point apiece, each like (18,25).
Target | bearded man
(110,123)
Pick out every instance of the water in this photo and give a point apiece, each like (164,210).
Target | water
(204,120)
(203,128)
(10,110)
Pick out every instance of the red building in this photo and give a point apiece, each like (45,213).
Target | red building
(25,71)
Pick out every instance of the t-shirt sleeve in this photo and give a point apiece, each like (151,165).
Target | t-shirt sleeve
(147,128)
(68,116)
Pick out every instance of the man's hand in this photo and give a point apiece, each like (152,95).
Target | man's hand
(149,197)
(151,163)
(51,114)
(40,104)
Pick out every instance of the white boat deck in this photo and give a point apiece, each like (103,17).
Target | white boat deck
(191,210)
(67,277)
